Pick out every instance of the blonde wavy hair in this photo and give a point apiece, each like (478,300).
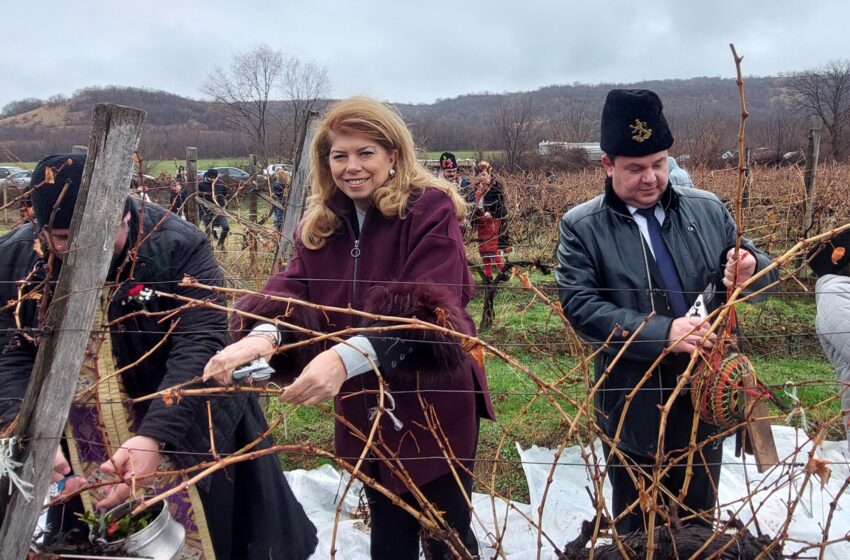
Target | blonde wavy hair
(382,124)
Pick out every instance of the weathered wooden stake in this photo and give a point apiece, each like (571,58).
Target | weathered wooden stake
(192,184)
(115,134)
(809,178)
(79,149)
(253,188)
(297,198)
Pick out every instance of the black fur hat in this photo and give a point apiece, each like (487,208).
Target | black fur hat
(831,256)
(48,180)
(448,161)
(633,124)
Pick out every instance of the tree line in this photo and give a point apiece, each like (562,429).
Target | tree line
(260,99)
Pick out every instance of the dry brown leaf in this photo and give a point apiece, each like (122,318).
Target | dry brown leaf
(442,317)
(643,496)
(837,254)
(49,176)
(819,468)
(477,354)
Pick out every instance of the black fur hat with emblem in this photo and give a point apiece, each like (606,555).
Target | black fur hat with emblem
(633,124)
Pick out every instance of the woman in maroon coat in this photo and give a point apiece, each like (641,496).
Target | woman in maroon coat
(382,235)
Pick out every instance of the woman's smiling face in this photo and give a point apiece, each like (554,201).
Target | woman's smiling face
(359,165)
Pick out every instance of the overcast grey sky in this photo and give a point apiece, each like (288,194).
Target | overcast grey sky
(412,51)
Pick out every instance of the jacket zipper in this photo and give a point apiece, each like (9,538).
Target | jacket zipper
(355,254)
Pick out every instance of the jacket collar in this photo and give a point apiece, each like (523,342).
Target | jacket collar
(669,200)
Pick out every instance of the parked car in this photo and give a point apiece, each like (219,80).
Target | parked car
(273,168)
(19,180)
(7,170)
(233,174)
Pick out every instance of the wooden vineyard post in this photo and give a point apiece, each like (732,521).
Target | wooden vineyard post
(759,432)
(810,177)
(297,198)
(253,187)
(44,411)
(191,184)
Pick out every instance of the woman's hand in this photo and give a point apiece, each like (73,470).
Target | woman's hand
(220,367)
(320,380)
(137,458)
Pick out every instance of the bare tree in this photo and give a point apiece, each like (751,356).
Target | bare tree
(242,92)
(702,134)
(825,93)
(781,132)
(512,123)
(302,84)
(575,121)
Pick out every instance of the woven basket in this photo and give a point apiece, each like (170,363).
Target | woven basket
(717,389)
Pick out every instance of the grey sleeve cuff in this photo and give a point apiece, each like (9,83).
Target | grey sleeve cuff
(353,353)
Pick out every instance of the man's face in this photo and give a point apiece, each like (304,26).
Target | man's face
(57,239)
(450,174)
(638,181)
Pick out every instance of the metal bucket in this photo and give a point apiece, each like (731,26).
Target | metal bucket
(162,539)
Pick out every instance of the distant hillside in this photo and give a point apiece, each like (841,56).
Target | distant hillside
(703,112)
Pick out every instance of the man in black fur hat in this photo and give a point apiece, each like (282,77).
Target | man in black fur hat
(213,190)
(244,511)
(632,262)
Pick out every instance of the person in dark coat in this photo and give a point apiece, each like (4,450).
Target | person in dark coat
(177,198)
(382,235)
(634,260)
(244,511)
(279,189)
(214,191)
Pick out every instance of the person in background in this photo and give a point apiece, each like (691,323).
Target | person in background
(279,194)
(213,190)
(633,261)
(490,220)
(177,198)
(246,510)
(831,264)
(678,176)
(380,234)
(449,171)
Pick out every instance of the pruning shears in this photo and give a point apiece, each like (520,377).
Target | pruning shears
(700,307)
(259,370)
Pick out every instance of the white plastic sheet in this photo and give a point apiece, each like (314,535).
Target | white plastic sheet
(568,504)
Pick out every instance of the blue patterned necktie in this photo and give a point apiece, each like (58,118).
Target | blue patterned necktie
(665,263)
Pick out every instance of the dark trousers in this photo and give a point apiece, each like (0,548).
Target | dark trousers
(701,495)
(395,533)
(212,220)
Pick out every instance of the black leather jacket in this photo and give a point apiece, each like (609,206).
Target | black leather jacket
(607,278)
(172,248)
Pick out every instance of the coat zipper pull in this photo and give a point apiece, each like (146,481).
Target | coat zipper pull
(355,253)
